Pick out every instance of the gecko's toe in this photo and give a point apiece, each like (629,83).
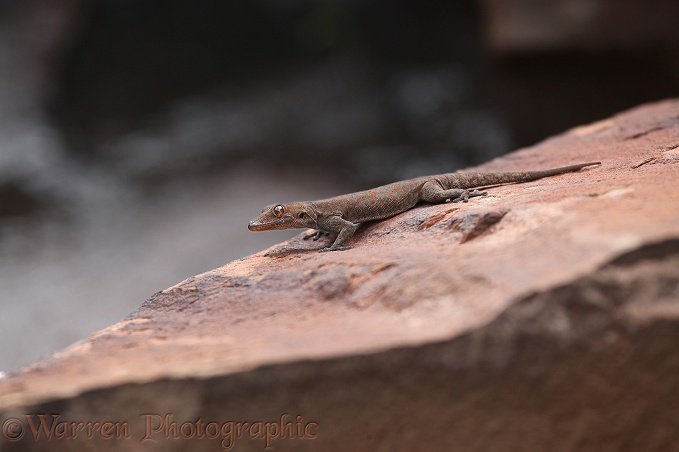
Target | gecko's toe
(312,235)
(465,195)
(315,235)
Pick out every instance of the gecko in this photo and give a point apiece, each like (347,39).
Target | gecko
(343,214)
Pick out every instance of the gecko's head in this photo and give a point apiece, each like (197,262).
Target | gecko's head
(282,216)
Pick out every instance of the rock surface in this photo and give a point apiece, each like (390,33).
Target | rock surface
(544,316)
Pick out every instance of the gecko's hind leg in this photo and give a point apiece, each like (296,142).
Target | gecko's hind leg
(434,193)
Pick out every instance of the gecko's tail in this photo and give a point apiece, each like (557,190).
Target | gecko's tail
(473,180)
(553,172)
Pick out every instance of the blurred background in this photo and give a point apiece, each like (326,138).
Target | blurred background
(138,137)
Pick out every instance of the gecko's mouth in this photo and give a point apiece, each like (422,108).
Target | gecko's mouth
(255,225)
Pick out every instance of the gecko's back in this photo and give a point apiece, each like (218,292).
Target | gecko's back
(391,199)
(375,203)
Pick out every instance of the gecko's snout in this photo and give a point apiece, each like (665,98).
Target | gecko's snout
(258,225)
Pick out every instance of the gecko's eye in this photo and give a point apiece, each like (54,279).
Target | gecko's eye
(279,210)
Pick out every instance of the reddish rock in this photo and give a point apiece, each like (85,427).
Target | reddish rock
(541,317)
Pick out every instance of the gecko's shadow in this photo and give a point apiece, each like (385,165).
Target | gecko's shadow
(300,245)
(286,250)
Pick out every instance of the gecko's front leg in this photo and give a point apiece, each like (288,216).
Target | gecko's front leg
(345,229)
(317,234)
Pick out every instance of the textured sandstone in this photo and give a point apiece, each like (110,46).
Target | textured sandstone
(542,317)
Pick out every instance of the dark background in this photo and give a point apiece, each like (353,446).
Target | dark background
(138,137)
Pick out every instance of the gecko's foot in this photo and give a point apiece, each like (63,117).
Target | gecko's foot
(464,197)
(334,248)
(317,234)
